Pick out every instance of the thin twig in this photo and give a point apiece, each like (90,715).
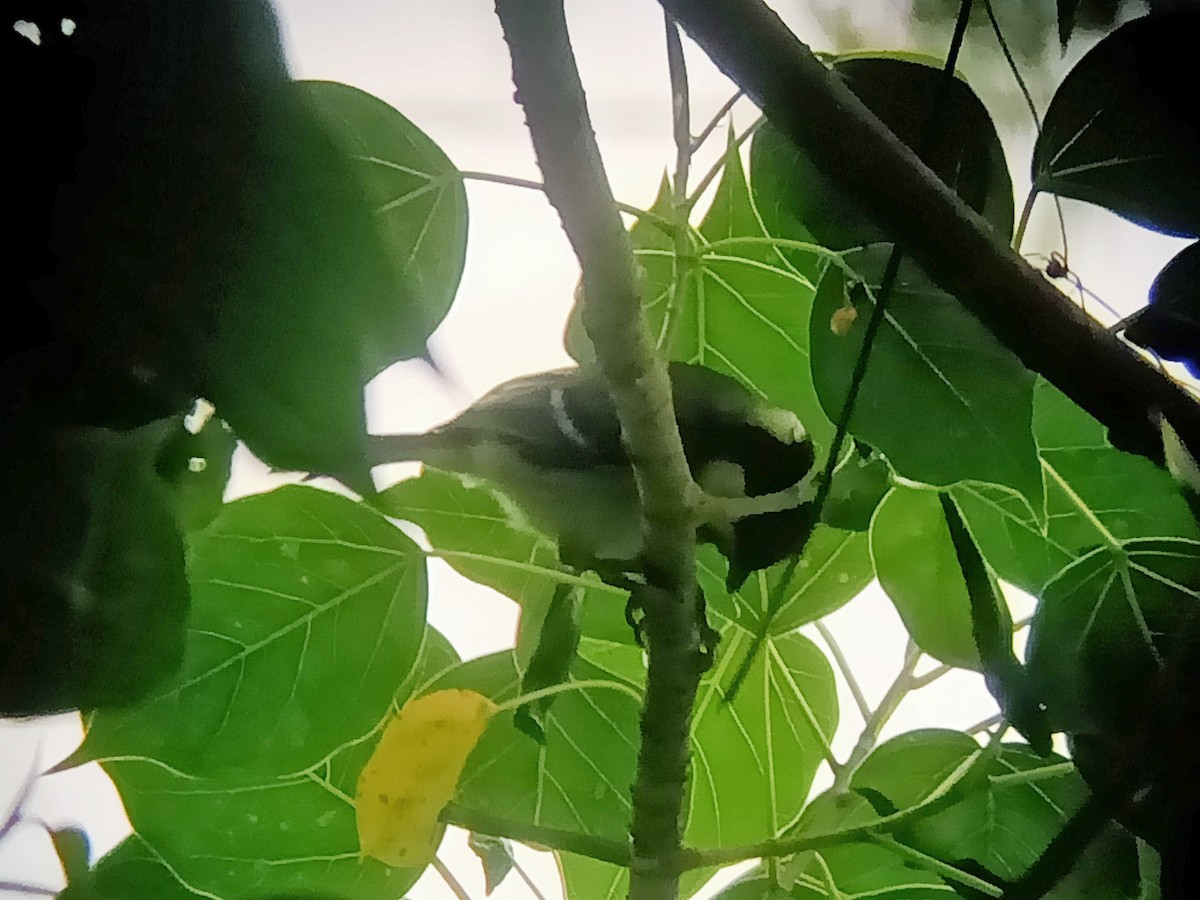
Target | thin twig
(892,698)
(719,166)
(587,845)
(451,882)
(721,113)
(986,725)
(530,184)
(843,665)
(1037,122)
(520,870)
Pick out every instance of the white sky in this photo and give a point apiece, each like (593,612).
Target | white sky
(444,65)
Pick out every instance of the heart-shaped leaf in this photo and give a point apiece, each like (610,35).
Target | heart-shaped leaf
(308,611)
(932,366)
(921,106)
(1122,130)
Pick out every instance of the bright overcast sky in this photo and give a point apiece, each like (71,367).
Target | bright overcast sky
(444,65)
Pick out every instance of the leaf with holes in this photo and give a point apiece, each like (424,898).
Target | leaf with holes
(1103,626)
(1095,494)
(1121,132)
(933,368)
(308,611)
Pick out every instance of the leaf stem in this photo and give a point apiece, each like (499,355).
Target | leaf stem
(900,687)
(451,882)
(1023,222)
(530,184)
(936,865)
(708,129)
(522,699)
(834,256)
(614,852)
(843,665)
(719,165)
(520,870)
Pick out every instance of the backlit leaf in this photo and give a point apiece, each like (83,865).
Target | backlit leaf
(933,366)
(1122,130)
(308,611)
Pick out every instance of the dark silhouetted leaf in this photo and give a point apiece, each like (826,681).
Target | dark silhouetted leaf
(552,658)
(991,624)
(1170,324)
(1123,129)
(94,591)
(797,200)
(1102,628)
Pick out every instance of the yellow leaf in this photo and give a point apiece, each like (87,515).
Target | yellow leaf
(414,773)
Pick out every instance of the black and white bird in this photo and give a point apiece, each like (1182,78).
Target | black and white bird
(552,442)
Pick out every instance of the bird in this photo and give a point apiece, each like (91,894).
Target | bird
(551,441)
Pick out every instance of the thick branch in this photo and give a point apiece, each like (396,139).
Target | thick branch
(823,118)
(549,89)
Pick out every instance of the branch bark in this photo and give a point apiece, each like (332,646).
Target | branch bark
(549,89)
(1050,334)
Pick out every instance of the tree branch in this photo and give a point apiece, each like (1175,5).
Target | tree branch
(823,117)
(549,89)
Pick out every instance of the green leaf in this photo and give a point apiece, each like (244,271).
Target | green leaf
(741,307)
(1001,815)
(1103,626)
(95,596)
(933,368)
(308,613)
(1095,494)
(753,887)
(130,871)
(797,199)
(479,531)
(758,753)
(867,870)
(919,570)
(992,625)
(585,878)
(496,857)
(237,836)
(860,483)
(1122,130)
(420,206)
(753,759)
(835,568)
(551,661)
(579,778)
